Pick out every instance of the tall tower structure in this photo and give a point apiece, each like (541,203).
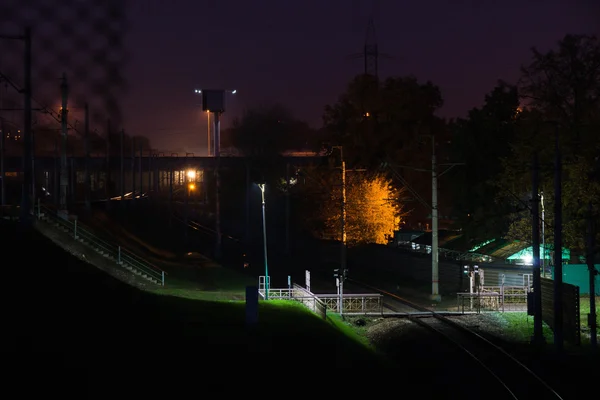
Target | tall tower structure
(370,53)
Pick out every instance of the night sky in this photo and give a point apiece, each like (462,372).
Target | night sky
(296,53)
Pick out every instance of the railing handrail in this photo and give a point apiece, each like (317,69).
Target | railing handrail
(117,251)
(139,259)
(81,229)
(491,294)
(349,296)
(140,265)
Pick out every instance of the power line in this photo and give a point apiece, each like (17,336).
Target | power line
(42,108)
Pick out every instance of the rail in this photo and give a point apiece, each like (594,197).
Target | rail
(122,256)
(513,382)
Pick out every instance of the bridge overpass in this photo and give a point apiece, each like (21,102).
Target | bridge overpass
(158,173)
(158,161)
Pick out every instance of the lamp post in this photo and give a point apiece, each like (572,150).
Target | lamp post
(264,226)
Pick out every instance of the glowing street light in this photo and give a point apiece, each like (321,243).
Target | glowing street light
(264,223)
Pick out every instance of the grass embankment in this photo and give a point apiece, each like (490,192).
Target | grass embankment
(63,304)
(519,325)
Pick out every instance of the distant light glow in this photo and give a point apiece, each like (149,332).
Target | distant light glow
(234,91)
(192,186)
(191,174)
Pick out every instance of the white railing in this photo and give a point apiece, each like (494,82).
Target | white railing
(121,255)
(368,303)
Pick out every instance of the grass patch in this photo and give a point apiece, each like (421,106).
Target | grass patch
(518,326)
(198,294)
(349,328)
(72,306)
(214,278)
(584,309)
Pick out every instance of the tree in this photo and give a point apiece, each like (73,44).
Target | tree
(373,205)
(268,131)
(561,91)
(263,135)
(379,121)
(388,124)
(482,141)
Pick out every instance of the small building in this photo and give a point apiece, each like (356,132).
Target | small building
(404,237)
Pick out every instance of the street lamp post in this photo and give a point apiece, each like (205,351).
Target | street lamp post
(264,226)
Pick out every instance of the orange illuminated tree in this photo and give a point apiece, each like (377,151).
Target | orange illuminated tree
(373,210)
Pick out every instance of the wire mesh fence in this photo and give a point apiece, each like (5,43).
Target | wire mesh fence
(82,38)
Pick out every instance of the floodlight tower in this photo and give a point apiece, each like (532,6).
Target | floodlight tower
(213,101)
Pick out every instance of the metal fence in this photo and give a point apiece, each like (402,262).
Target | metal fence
(494,298)
(122,256)
(497,299)
(310,300)
(355,303)
(295,293)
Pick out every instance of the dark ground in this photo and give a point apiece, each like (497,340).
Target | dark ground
(69,330)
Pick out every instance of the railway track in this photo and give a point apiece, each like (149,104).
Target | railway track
(516,380)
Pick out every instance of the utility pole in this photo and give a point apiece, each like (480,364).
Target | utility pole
(538,337)
(435,273)
(558,262)
(591,257)
(2,172)
(64,173)
(343,242)
(87,157)
(343,259)
(543,257)
(122,180)
(186,215)
(287,209)
(140,171)
(209,151)
(218,184)
(28,153)
(28,142)
(133,200)
(108,166)
(435,295)
(247,236)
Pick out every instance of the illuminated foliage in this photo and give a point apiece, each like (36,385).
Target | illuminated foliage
(373,210)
